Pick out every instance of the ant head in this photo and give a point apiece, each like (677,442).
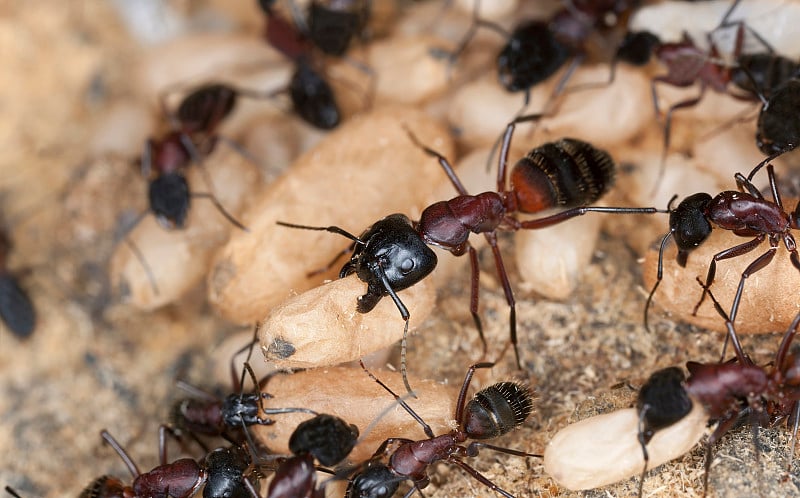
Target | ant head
(689,225)
(240,409)
(313,98)
(531,55)
(662,400)
(205,107)
(329,439)
(394,247)
(637,47)
(333,28)
(225,470)
(497,410)
(376,481)
(169,199)
(778,128)
(266,6)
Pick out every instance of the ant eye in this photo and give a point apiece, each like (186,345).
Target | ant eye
(406,266)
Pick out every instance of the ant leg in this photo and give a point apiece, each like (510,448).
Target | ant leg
(446,166)
(12,492)
(425,427)
(478,476)
(472,450)
(743,184)
(579,211)
(796,417)
(491,238)
(237,380)
(473,295)
(228,216)
(788,337)
(659,277)
(132,467)
(668,130)
(727,253)
(135,250)
(462,394)
(332,262)
(643,443)
(732,336)
(755,266)
(770,158)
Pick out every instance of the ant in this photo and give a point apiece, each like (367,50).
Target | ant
(747,214)
(536,49)
(392,254)
(312,97)
(325,437)
(210,415)
(778,129)
(491,413)
(16,308)
(661,402)
(729,389)
(221,474)
(164,160)
(331,25)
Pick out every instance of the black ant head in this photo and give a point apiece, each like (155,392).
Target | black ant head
(392,249)
(497,410)
(225,469)
(313,99)
(689,225)
(531,55)
(331,29)
(240,409)
(169,199)
(329,439)
(778,127)
(662,401)
(637,47)
(205,107)
(376,481)
(16,308)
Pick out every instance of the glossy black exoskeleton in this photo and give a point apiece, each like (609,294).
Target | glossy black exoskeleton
(492,412)
(221,474)
(778,129)
(326,438)
(661,402)
(746,213)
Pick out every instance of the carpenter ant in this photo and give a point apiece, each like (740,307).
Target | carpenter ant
(730,389)
(745,212)
(661,402)
(16,308)
(778,129)
(312,97)
(491,413)
(327,438)
(210,415)
(392,254)
(221,474)
(536,49)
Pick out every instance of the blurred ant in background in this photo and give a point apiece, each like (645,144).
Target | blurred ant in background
(16,308)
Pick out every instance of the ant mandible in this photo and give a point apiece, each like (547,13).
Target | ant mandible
(744,212)
(491,413)
(392,254)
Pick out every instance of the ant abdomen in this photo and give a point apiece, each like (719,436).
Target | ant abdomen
(531,55)
(104,487)
(205,107)
(566,173)
(497,410)
(778,128)
(196,416)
